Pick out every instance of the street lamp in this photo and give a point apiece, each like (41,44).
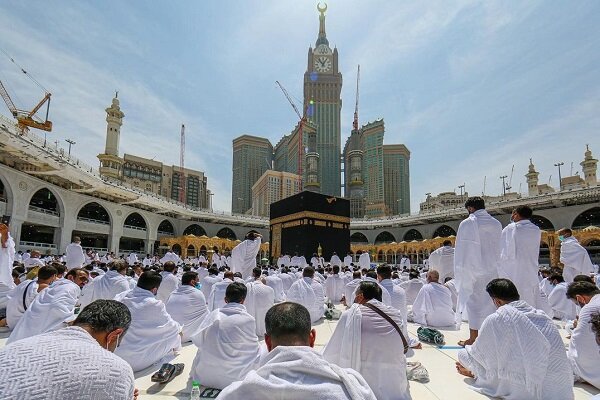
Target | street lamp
(559,176)
(71,142)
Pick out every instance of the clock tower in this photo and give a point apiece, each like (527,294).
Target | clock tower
(323,105)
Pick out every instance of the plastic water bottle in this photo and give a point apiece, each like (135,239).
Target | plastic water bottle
(195,394)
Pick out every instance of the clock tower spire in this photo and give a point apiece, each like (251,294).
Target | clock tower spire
(322,39)
(322,103)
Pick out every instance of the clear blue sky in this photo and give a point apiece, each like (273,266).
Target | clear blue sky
(471,87)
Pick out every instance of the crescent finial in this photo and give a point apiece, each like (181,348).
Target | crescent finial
(321,10)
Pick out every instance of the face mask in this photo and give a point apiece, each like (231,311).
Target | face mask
(118,337)
(198,285)
(561,238)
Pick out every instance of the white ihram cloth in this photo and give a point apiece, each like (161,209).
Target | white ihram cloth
(285,260)
(228,347)
(433,306)
(74,256)
(397,300)
(315,262)
(147,261)
(276,283)
(187,306)
(67,364)
(19,300)
(207,284)
(33,262)
(411,287)
(7,259)
(584,359)
(364,261)
(132,259)
(562,307)
(49,310)
(335,260)
(349,289)
(243,257)
(287,280)
(519,259)
(168,285)
(370,345)
(303,292)
(442,260)
(405,262)
(347,261)
(299,373)
(575,258)
(259,299)
(216,299)
(519,354)
(476,259)
(452,287)
(170,256)
(152,335)
(105,287)
(334,288)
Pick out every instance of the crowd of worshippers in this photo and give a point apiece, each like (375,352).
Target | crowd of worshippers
(88,328)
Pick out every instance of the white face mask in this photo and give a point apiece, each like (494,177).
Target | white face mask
(118,337)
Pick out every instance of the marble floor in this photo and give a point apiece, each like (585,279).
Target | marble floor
(444,382)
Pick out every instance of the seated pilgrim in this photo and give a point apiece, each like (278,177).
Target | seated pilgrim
(293,370)
(368,343)
(351,286)
(24,294)
(208,281)
(73,363)
(169,281)
(562,307)
(308,292)
(107,286)
(275,283)
(585,361)
(216,299)
(334,285)
(259,299)
(153,334)
(53,308)
(228,347)
(394,296)
(412,286)
(433,305)
(187,306)
(519,353)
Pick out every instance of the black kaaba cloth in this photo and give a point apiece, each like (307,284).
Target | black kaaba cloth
(300,223)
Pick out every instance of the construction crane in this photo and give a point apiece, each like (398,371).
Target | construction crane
(182,166)
(509,186)
(355,122)
(25,119)
(302,121)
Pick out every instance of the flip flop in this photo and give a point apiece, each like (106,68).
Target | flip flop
(461,343)
(167,372)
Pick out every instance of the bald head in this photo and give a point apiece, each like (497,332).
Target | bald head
(433,276)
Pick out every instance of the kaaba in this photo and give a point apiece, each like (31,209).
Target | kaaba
(307,220)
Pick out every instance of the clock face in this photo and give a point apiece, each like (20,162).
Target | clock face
(322,64)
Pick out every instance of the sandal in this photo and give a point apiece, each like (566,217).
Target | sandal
(167,373)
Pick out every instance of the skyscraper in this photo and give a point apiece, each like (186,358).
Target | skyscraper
(323,105)
(396,175)
(252,156)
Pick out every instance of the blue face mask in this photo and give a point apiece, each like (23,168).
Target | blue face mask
(561,237)
(198,285)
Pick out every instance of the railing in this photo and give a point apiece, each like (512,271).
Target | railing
(165,233)
(97,249)
(38,244)
(93,221)
(137,228)
(43,210)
